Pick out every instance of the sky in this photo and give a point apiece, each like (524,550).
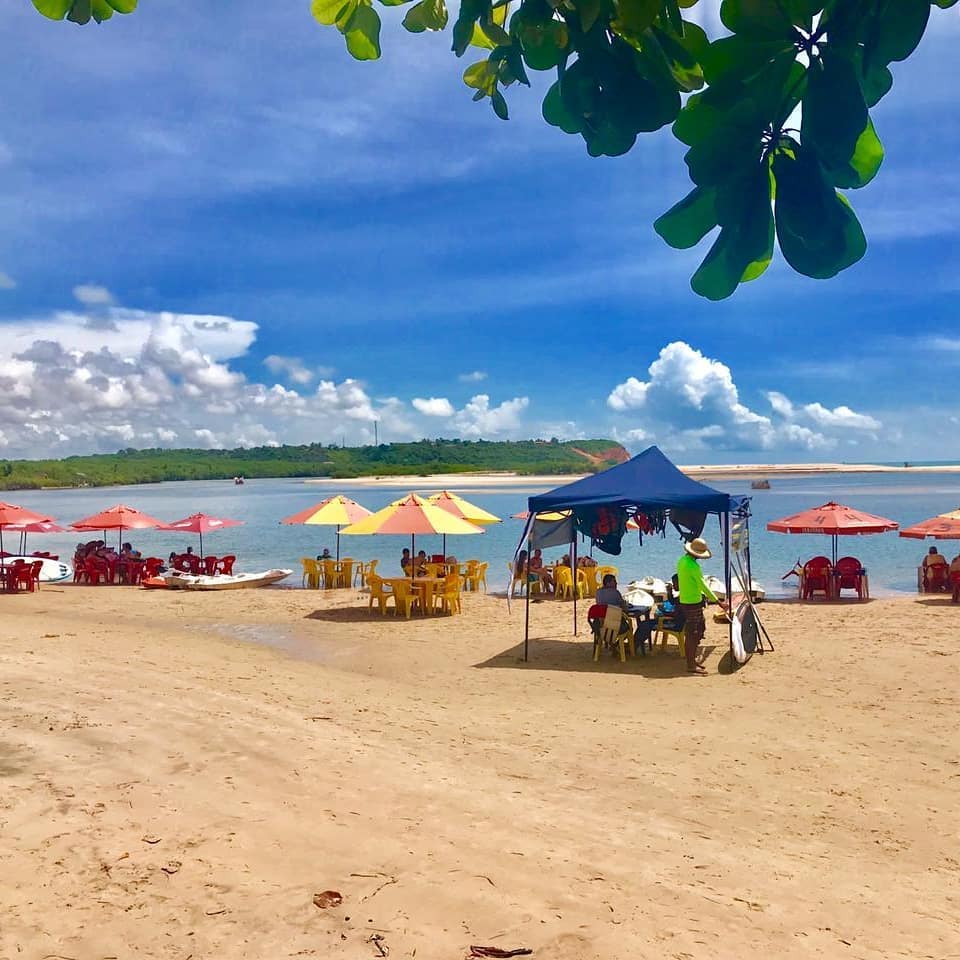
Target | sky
(219,230)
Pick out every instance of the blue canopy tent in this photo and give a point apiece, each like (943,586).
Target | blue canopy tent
(649,482)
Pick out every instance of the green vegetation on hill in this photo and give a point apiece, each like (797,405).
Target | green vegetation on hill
(314,460)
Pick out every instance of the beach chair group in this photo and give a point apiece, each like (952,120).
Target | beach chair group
(821,578)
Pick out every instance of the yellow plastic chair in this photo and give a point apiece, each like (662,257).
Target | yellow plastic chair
(311,573)
(435,569)
(403,598)
(363,572)
(614,632)
(563,583)
(590,584)
(481,576)
(516,579)
(378,593)
(470,574)
(448,599)
(603,571)
(665,629)
(329,574)
(345,577)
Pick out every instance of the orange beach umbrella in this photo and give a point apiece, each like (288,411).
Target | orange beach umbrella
(834,520)
(118,518)
(338,511)
(943,527)
(12,515)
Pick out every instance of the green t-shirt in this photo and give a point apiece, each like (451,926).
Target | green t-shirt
(690,577)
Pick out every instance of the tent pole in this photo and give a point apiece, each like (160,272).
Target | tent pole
(728,581)
(526,623)
(573,574)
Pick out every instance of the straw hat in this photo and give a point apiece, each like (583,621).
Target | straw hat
(698,548)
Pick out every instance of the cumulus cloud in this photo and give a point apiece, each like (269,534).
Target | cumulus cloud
(433,406)
(165,379)
(475,376)
(290,367)
(93,295)
(691,402)
(479,419)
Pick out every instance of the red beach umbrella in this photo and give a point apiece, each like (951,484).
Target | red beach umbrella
(200,523)
(38,526)
(118,518)
(11,514)
(834,520)
(937,528)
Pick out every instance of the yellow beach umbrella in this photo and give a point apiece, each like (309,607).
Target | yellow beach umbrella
(411,515)
(952,515)
(338,511)
(459,507)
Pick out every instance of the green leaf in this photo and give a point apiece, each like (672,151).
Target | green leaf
(894,33)
(836,123)
(944,4)
(555,112)
(328,12)
(634,16)
(362,33)
(686,223)
(481,76)
(589,11)
(54,9)
(740,57)
(875,81)
(81,11)
(465,29)
(744,248)
(426,15)
(817,230)
(123,6)
(101,10)
(671,14)
(758,19)
(682,54)
(499,105)
(543,43)
(393,3)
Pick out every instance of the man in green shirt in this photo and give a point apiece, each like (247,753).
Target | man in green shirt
(692,590)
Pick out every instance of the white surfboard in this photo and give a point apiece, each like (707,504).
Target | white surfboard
(52,571)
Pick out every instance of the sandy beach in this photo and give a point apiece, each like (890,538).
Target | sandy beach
(183,773)
(477,482)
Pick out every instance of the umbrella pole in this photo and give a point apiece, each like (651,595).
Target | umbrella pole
(526,623)
(338,543)
(201,543)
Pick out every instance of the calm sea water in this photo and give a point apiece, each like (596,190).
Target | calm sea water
(263,543)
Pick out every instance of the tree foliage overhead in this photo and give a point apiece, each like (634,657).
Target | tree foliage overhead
(775,115)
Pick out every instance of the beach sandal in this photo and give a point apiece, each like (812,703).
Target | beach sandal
(697,671)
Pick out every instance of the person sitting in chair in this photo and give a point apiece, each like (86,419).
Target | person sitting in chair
(543,575)
(609,594)
(934,571)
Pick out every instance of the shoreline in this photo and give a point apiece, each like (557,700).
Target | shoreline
(746,471)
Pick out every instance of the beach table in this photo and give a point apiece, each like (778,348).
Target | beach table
(425,588)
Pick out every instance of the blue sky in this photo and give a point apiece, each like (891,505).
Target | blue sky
(216,228)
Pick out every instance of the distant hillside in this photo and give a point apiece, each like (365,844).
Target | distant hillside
(314,460)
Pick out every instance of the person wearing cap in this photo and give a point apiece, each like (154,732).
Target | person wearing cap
(692,590)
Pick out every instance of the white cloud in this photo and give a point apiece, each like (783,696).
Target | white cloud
(841,416)
(92,295)
(475,376)
(7,282)
(690,402)
(479,419)
(291,367)
(434,406)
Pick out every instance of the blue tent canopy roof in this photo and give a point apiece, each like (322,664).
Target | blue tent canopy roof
(648,481)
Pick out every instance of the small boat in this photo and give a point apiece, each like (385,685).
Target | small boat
(639,598)
(52,571)
(238,481)
(757,592)
(759,484)
(652,585)
(176,580)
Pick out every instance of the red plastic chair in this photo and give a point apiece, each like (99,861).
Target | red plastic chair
(210,565)
(225,565)
(11,580)
(151,567)
(132,571)
(95,571)
(817,578)
(850,575)
(79,569)
(955,580)
(28,574)
(936,577)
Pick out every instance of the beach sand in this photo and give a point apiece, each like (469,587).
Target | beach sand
(182,773)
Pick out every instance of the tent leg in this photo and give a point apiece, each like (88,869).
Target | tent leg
(526,626)
(728,580)
(573,573)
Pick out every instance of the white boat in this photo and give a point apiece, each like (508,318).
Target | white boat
(717,586)
(239,581)
(652,585)
(638,598)
(52,571)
